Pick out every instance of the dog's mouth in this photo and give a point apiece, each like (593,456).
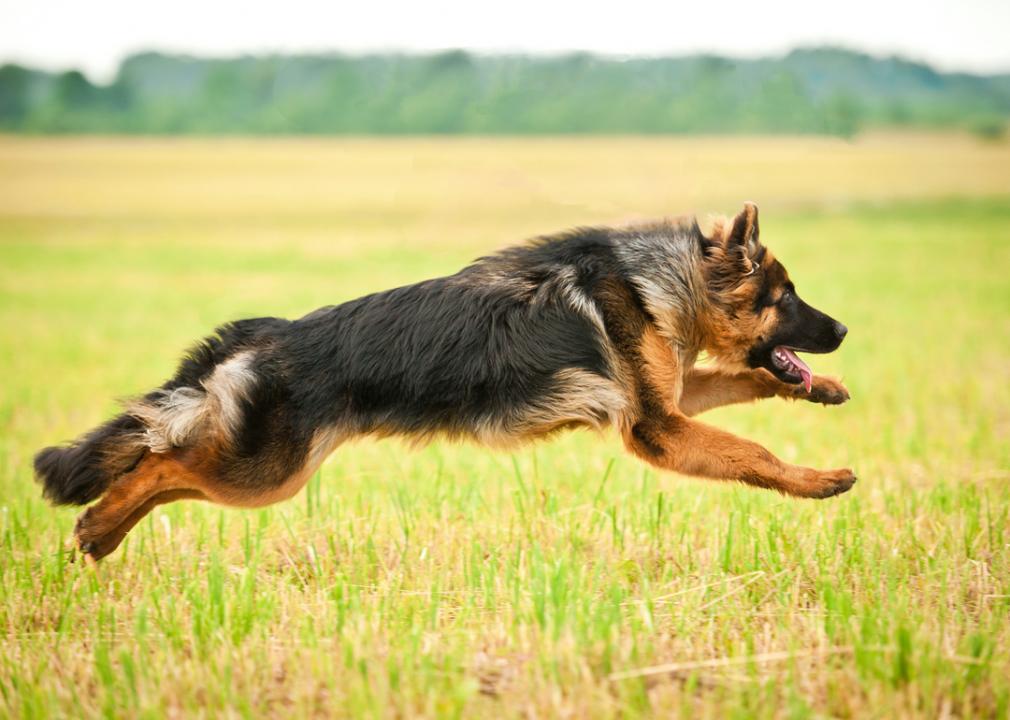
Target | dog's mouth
(790,368)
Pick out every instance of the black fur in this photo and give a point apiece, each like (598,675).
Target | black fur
(77,473)
(437,357)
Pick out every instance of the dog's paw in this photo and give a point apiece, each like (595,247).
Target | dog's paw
(88,538)
(83,532)
(824,390)
(821,484)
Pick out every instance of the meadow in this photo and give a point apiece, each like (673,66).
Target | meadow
(565,579)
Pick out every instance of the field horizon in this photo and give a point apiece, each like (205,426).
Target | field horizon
(565,578)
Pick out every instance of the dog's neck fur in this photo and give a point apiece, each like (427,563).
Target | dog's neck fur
(682,278)
(666,266)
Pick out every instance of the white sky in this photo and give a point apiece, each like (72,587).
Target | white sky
(95,34)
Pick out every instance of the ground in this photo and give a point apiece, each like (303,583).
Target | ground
(457,581)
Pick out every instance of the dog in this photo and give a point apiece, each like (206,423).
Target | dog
(594,327)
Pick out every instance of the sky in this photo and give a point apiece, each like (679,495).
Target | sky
(94,35)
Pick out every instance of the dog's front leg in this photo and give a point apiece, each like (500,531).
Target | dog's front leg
(707,388)
(823,389)
(675,442)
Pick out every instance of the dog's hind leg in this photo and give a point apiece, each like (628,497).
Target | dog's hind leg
(107,543)
(193,474)
(157,479)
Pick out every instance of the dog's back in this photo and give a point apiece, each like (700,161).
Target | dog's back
(510,348)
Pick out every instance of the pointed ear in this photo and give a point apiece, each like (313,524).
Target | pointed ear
(744,232)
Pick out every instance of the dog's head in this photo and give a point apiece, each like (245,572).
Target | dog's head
(760,320)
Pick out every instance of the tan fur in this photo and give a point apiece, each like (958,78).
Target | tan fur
(729,335)
(693,448)
(662,369)
(102,527)
(706,388)
(214,409)
(580,398)
(125,520)
(178,475)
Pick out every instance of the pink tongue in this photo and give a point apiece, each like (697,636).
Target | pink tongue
(802,367)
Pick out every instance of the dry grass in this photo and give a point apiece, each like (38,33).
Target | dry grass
(566,579)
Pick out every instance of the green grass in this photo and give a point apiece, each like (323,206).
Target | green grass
(458,581)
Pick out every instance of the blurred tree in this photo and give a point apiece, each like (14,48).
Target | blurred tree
(842,115)
(14,100)
(73,91)
(812,90)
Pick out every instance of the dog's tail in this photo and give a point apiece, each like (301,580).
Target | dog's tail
(208,398)
(77,473)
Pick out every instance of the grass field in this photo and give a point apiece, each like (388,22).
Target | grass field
(455,581)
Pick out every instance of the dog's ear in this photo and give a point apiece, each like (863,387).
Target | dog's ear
(743,237)
(733,245)
(744,232)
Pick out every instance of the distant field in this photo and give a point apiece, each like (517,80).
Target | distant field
(456,581)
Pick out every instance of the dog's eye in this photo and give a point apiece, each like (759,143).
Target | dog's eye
(786,298)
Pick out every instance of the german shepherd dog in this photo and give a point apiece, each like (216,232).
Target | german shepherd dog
(592,327)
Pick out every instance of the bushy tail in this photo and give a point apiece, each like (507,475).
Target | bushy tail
(80,472)
(206,398)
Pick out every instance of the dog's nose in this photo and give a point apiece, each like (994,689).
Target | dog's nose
(840,330)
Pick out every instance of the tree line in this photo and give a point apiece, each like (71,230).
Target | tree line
(816,90)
